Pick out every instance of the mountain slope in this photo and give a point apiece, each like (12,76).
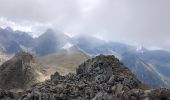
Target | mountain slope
(3,57)
(158,58)
(144,71)
(95,46)
(63,62)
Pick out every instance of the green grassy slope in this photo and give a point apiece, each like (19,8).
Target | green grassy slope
(64,62)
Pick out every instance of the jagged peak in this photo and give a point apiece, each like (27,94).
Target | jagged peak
(50,33)
(25,56)
(53,32)
(49,30)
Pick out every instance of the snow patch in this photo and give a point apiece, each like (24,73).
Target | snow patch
(67,46)
(140,49)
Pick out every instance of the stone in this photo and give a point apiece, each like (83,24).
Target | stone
(119,88)
(111,81)
(100,78)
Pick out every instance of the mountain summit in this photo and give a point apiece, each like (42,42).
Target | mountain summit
(50,42)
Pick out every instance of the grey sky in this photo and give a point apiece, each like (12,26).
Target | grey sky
(144,22)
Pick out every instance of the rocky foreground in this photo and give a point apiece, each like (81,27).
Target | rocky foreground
(100,78)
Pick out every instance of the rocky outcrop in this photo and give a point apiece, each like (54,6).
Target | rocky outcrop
(17,73)
(103,77)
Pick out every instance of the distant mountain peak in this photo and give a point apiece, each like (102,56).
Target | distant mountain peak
(49,32)
(9,29)
(53,32)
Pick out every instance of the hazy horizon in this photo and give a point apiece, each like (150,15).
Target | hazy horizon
(143,22)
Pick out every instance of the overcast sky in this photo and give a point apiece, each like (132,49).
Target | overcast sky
(144,22)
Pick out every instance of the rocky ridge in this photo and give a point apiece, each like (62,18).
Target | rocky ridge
(103,77)
(99,78)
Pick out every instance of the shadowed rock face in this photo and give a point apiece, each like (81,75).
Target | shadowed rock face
(17,73)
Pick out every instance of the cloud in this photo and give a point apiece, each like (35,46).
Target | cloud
(33,28)
(143,22)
